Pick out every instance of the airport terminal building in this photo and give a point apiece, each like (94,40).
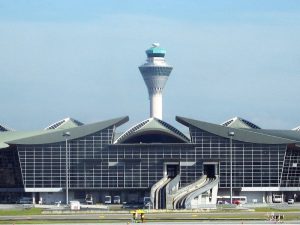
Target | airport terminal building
(69,159)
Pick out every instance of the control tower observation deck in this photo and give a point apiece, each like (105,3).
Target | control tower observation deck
(155,73)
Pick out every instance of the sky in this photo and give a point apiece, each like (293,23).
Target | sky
(80,58)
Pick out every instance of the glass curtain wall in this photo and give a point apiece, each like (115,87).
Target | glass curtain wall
(97,163)
(291,170)
(254,165)
(44,166)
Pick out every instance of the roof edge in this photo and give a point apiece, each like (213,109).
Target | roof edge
(55,136)
(142,128)
(244,135)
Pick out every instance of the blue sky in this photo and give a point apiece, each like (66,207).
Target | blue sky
(80,58)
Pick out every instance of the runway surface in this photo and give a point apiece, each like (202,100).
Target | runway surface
(181,223)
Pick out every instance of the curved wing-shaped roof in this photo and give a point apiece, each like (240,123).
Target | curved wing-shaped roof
(238,122)
(64,124)
(56,135)
(296,128)
(6,137)
(4,128)
(152,126)
(261,136)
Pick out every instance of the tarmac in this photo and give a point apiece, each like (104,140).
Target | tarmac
(179,223)
(105,216)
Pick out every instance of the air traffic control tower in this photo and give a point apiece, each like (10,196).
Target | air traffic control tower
(155,73)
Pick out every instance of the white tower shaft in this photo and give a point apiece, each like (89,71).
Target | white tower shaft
(155,84)
(156,105)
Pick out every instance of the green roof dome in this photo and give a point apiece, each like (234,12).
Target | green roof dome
(156,51)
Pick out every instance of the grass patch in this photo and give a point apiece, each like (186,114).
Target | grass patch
(60,221)
(270,209)
(20,212)
(47,221)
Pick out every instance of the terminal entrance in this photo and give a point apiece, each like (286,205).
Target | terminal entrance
(210,169)
(172,170)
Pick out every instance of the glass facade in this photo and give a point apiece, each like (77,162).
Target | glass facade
(44,166)
(254,165)
(155,70)
(96,163)
(10,169)
(142,165)
(291,169)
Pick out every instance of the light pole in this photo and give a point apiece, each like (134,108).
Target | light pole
(230,134)
(66,135)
